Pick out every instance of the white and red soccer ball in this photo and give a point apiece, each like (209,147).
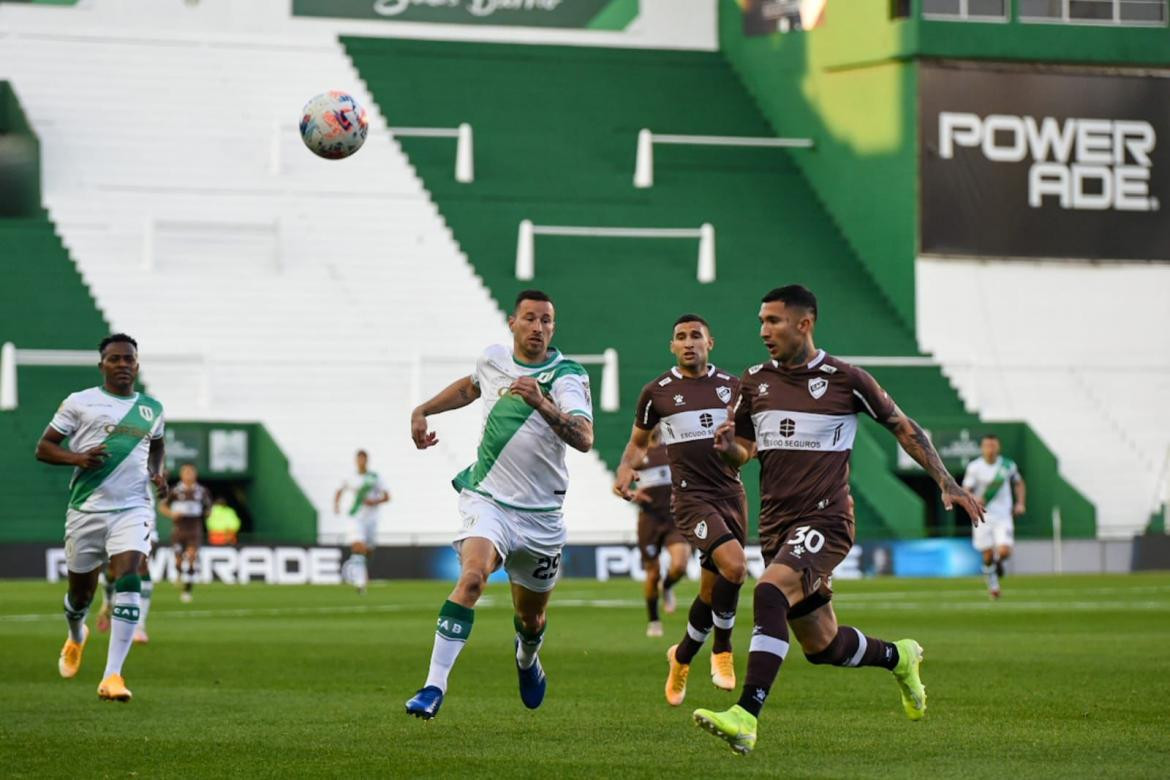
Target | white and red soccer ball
(333,125)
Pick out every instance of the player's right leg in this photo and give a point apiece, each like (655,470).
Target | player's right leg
(679,551)
(779,586)
(650,592)
(190,559)
(983,540)
(85,553)
(731,561)
(530,621)
(699,624)
(478,558)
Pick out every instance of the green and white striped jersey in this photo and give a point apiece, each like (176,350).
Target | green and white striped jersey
(520,462)
(126,426)
(993,483)
(363,486)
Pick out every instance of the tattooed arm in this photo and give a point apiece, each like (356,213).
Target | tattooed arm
(919,447)
(456,395)
(574,429)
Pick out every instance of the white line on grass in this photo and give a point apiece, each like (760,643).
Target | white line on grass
(926,606)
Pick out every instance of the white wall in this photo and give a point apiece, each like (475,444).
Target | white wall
(661,24)
(1080,351)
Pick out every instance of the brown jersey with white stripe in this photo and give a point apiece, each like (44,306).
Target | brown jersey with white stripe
(803,421)
(688,410)
(654,479)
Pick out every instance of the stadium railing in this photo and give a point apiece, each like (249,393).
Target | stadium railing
(464,146)
(526,243)
(644,160)
(11,358)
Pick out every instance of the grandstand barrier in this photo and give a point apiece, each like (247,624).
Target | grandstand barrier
(526,243)
(464,146)
(644,159)
(11,358)
(263,235)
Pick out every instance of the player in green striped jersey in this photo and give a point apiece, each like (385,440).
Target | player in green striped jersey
(115,444)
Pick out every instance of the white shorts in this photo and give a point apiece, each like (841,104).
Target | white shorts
(361,531)
(529,543)
(91,536)
(993,532)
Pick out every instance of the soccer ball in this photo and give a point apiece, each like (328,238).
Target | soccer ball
(333,125)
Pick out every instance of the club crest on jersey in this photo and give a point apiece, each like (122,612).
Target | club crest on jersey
(817,386)
(701,529)
(724,394)
(146,412)
(679,400)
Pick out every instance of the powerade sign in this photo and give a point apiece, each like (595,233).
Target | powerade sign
(590,14)
(1027,162)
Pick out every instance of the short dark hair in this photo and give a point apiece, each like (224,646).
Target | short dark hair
(116,338)
(363,453)
(531,295)
(691,318)
(793,295)
(186,464)
(987,436)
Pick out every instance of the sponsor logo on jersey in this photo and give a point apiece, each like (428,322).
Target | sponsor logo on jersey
(787,427)
(679,400)
(828,369)
(756,368)
(762,390)
(724,394)
(706,420)
(817,386)
(665,382)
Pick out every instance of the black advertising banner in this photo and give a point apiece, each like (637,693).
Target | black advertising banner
(764,17)
(1044,163)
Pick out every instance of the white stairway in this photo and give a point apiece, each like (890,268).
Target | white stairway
(1080,352)
(322,298)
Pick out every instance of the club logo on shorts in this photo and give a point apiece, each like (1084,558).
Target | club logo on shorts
(701,529)
(817,386)
(146,412)
(724,394)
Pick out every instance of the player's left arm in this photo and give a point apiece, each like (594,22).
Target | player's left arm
(914,440)
(1020,490)
(917,444)
(573,427)
(154,466)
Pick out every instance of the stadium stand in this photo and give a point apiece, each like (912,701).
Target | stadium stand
(320,298)
(558,147)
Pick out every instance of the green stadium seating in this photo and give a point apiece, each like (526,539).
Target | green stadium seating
(44,304)
(557,145)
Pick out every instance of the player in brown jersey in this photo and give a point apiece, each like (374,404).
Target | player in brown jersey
(798,414)
(188,507)
(657,532)
(689,402)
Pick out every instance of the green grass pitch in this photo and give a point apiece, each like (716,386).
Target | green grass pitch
(1066,677)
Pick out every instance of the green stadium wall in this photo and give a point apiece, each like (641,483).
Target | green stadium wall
(555,131)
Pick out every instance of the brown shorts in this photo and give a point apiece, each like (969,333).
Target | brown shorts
(813,546)
(655,534)
(187,533)
(708,522)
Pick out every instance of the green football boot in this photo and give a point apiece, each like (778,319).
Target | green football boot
(906,673)
(736,727)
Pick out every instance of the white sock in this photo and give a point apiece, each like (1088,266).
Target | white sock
(526,651)
(451,633)
(127,605)
(147,592)
(360,575)
(75,620)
